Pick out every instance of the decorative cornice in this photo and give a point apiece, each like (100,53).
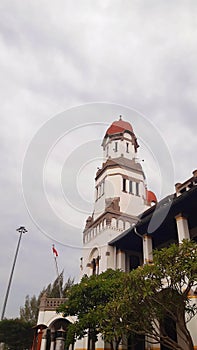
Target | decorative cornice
(108,214)
(120,162)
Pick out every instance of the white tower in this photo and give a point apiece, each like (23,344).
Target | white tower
(120,196)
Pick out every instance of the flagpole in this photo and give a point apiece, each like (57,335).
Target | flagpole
(57,270)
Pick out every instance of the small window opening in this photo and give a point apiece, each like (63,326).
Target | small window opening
(103,190)
(130,186)
(137,189)
(124,185)
(107,153)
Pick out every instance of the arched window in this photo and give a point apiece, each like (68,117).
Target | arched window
(94,261)
(127,225)
(113,222)
(120,224)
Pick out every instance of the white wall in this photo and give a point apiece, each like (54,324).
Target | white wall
(48,316)
(109,151)
(129,203)
(106,252)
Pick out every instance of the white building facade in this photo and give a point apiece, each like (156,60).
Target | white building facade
(120,196)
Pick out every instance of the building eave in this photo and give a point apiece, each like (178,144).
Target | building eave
(165,231)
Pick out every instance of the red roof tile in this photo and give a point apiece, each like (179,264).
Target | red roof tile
(119,126)
(150,197)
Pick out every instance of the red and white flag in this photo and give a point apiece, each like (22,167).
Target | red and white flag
(54,251)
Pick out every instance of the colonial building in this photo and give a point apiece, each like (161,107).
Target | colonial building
(127,223)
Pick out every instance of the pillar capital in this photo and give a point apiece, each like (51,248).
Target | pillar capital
(146,236)
(181,216)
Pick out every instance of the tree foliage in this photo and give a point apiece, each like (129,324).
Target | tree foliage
(154,293)
(16,334)
(87,301)
(53,290)
(29,312)
(116,303)
(161,291)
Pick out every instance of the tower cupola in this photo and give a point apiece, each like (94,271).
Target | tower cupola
(119,141)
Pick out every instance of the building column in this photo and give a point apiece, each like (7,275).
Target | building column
(52,346)
(120,260)
(39,338)
(60,340)
(147,249)
(182,227)
(44,340)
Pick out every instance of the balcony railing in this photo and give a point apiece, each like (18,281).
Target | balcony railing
(50,303)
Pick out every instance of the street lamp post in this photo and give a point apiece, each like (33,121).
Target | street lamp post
(21,230)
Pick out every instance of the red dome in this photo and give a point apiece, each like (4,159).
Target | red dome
(150,197)
(119,126)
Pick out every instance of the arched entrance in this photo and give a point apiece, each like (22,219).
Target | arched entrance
(56,334)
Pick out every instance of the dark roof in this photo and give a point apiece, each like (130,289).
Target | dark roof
(159,221)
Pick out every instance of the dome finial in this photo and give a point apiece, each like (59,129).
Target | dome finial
(120,117)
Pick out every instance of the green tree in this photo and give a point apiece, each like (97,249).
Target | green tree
(160,291)
(53,290)
(87,301)
(16,334)
(29,312)
(115,303)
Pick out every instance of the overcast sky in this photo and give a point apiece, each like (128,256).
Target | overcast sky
(137,56)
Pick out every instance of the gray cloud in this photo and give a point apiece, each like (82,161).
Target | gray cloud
(54,56)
